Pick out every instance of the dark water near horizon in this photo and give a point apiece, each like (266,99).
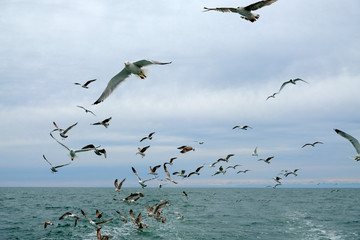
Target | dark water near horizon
(209,213)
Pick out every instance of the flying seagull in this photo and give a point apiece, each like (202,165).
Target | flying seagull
(227,158)
(85,85)
(102,237)
(47,223)
(153,169)
(267,160)
(255,154)
(141,182)
(311,144)
(130,68)
(86,110)
(63,132)
(292,81)
(171,161)
(221,170)
(243,171)
(181,173)
(118,186)
(141,151)
(168,174)
(97,151)
(147,137)
(242,127)
(72,152)
(137,221)
(105,122)
(352,140)
(196,171)
(53,169)
(272,96)
(122,216)
(95,224)
(245,12)
(185,149)
(69,214)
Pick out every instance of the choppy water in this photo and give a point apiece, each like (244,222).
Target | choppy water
(211,213)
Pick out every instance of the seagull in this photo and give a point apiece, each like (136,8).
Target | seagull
(118,186)
(53,169)
(267,160)
(243,171)
(63,132)
(242,127)
(292,172)
(130,68)
(105,122)
(132,198)
(185,149)
(141,151)
(153,169)
(168,174)
(86,110)
(98,214)
(142,183)
(47,223)
(85,85)
(96,149)
(171,161)
(156,210)
(72,152)
(147,137)
(122,216)
(292,81)
(181,174)
(137,221)
(311,144)
(237,165)
(95,224)
(186,195)
(221,170)
(277,179)
(352,140)
(102,237)
(227,158)
(255,154)
(245,12)
(272,96)
(196,171)
(69,214)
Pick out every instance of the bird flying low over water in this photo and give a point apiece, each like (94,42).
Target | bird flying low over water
(130,68)
(86,110)
(137,221)
(352,140)
(47,223)
(53,169)
(105,122)
(63,132)
(95,224)
(72,152)
(69,214)
(311,144)
(85,85)
(141,182)
(245,12)
(122,216)
(292,81)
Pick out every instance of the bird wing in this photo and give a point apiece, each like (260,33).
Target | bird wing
(65,215)
(259,4)
(123,217)
(81,107)
(56,126)
(113,83)
(221,9)
(103,222)
(62,165)
(143,139)
(70,128)
(150,135)
(307,144)
(156,167)
(283,85)
(146,62)
(47,160)
(133,169)
(121,183)
(144,149)
(90,220)
(299,79)
(60,142)
(90,81)
(353,140)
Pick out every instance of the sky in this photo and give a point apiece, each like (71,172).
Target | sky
(223,69)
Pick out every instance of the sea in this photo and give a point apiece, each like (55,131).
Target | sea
(205,213)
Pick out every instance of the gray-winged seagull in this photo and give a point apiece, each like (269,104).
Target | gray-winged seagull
(352,140)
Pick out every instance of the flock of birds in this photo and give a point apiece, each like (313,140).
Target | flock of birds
(136,68)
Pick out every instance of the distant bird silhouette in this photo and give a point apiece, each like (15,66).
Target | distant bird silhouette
(292,81)
(233,167)
(185,149)
(105,122)
(147,137)
(272,96)
(311,144)
(53,169)
(352,140)
(242,127)
(243,171)
(171,161)
(130,68)
(85,85)
(63,132)
(86,110)
(122,216)
(181,173)
(221,170)
(245,12)
(226,159)
(141,151)
(267,160)
(196,171)
(287,173)
(255,154)
(47,223)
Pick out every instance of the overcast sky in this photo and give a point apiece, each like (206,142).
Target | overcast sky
(223,69)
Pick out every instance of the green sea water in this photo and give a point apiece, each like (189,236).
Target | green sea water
(209,213)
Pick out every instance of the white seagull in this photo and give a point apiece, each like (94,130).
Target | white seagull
(86,110)
(352,140)
(72,152)
(85,85)
(292,81)
(69,214)
(141,182)
(255,154)
(53,169)
(63,132)
(245,12)
(130,68)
